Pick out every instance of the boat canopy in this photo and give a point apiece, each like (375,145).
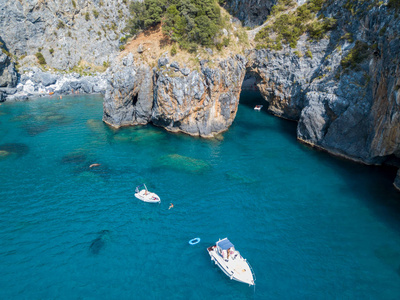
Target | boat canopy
(139,186)
(224,244)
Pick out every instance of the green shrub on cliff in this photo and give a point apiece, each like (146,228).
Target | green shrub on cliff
(173,50)
(288,27)
(187,22)
(145,14)
(40,58)
(357,55)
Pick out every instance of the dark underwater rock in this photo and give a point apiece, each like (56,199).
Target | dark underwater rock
(35,129)
(17,148)
(100,242)
(74,158)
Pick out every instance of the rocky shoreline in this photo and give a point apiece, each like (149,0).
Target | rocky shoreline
(36,83)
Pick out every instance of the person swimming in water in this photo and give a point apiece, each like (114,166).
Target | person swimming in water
(170,206)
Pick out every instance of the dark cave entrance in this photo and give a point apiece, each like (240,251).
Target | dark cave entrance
(250,94)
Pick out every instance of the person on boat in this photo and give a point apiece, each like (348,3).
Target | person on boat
(170,206)
(224,254)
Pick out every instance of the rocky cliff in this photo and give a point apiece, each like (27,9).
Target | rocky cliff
(197,102)
(66,32)
(351,111)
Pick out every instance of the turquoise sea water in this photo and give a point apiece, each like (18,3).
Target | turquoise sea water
(311,225)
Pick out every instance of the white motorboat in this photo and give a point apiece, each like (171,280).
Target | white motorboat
(230,261)
(258,107)
(143,194)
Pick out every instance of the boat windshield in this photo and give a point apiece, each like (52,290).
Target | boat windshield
(137,190)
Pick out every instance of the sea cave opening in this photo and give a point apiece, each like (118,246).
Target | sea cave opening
(250,95)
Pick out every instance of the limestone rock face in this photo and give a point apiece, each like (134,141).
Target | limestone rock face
(352,113)
(64,31)
(199,103)
(129,96)
(8,75)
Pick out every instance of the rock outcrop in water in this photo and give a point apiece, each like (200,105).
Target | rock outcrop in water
(197,102)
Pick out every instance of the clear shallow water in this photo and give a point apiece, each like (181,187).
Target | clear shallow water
(312,226)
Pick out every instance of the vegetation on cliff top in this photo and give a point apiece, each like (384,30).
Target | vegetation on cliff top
(188,22)
(288,27)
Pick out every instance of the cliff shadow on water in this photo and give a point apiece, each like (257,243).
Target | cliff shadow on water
(373,185)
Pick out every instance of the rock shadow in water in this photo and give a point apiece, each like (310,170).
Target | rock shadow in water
(13,150)
(100,242)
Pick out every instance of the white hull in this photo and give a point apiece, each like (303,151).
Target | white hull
(235,268)
(148,197)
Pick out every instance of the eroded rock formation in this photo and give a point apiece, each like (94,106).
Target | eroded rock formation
(197,102)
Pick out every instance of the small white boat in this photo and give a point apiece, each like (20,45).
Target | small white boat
(230,261)
(258,107)
(143,194)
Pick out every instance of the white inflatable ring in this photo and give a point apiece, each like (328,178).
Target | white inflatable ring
(194,241)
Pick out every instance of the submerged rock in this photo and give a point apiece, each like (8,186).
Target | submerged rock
(100,242)
(4,154)
(35,129)
(19,149)
(74,158)
(183,163)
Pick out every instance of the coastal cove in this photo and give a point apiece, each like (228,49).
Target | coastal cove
(313,226)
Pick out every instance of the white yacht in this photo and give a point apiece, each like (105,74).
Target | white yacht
(230,261)
(143,194)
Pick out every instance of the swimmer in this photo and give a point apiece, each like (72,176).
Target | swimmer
(94,165)
(170,206)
